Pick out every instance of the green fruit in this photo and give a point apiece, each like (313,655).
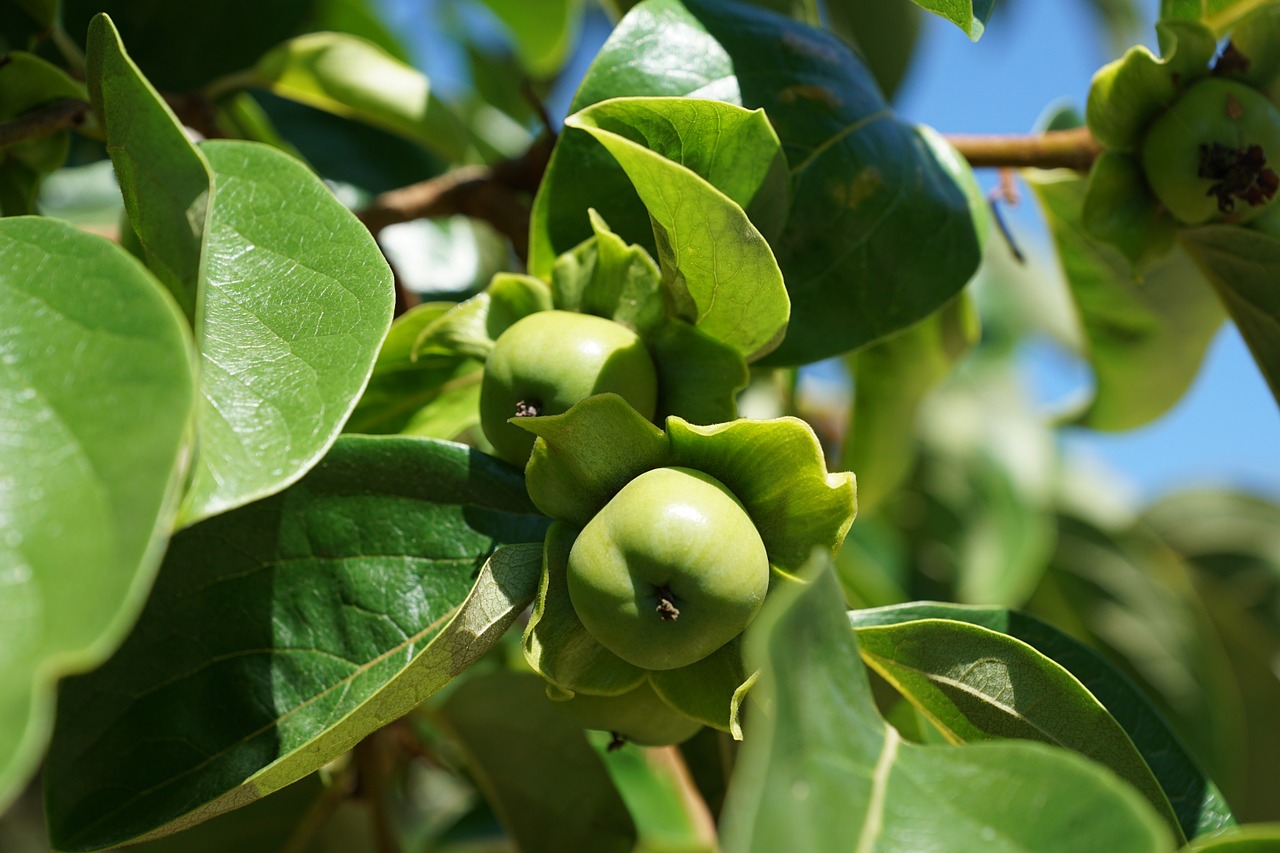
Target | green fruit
(639,716)
(669,571)
(544,363)
(1213,155)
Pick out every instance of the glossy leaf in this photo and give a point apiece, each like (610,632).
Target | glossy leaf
(971,16)
(166,183)
(348,76)
(1252,838)
(1199,805)
(975,684)
(862,181)
(1145,337)
(717,268)
(885,33)
(1241,265)
(96,395)
(820,770)
(296,299)
(605,276)
(280,634)
(536,769)
(544,33)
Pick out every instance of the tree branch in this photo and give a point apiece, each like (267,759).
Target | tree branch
(44,121)
(1054,149)
(493,194)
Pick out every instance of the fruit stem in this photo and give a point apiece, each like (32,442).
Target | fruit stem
(528,408)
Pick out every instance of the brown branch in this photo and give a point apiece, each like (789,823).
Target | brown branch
(44,121)
(1054,149)
(494,194)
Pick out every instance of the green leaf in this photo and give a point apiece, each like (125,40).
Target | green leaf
(544,33)
(880,233)
(1120,209)
(96,392)
(1241,264)
(885,33)
(556,643)
(356,79)
(296,299)
(820,770)
(472,326)
(1253,838)
(1218,15)
(1199,805)
(171,42)
(710,690)
(280,634)
(1145,337)
(1128,94)
(403,383)
(777,470)
(969,15)
(891,379)
(585,456)
(537,771)
(718,271)
(359,18)
(166,183)
(699,377)
(658,49)
(604,276)
(976,684)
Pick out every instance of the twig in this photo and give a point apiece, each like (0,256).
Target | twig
(490,193)
(1054,149)
(44,121)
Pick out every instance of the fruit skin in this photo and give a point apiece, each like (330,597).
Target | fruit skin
(675,534)
(1213,110)
(638,716)
(553,359)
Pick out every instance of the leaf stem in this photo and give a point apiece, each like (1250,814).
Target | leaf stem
(1055,149)
(44,121)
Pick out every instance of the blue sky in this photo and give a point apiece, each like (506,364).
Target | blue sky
(1226,431)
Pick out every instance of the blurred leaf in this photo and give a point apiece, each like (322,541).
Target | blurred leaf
(820,770)
(544,33)
(356,79)
(359,18)
(976,684)
(885,33)
(171,41)
(718,271)
(1241,264)
(890,380)
(96,394)
(1146,337)
(1255,838)
(669,813)
(535,767)
(1199,805)
(165,181)
(971,16)
(1218,15)
(281,633)
(27,82)
(308,295)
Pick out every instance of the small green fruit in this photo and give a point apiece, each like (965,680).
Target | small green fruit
(669,571)
(639,716)
(1213,154)
(544,363)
